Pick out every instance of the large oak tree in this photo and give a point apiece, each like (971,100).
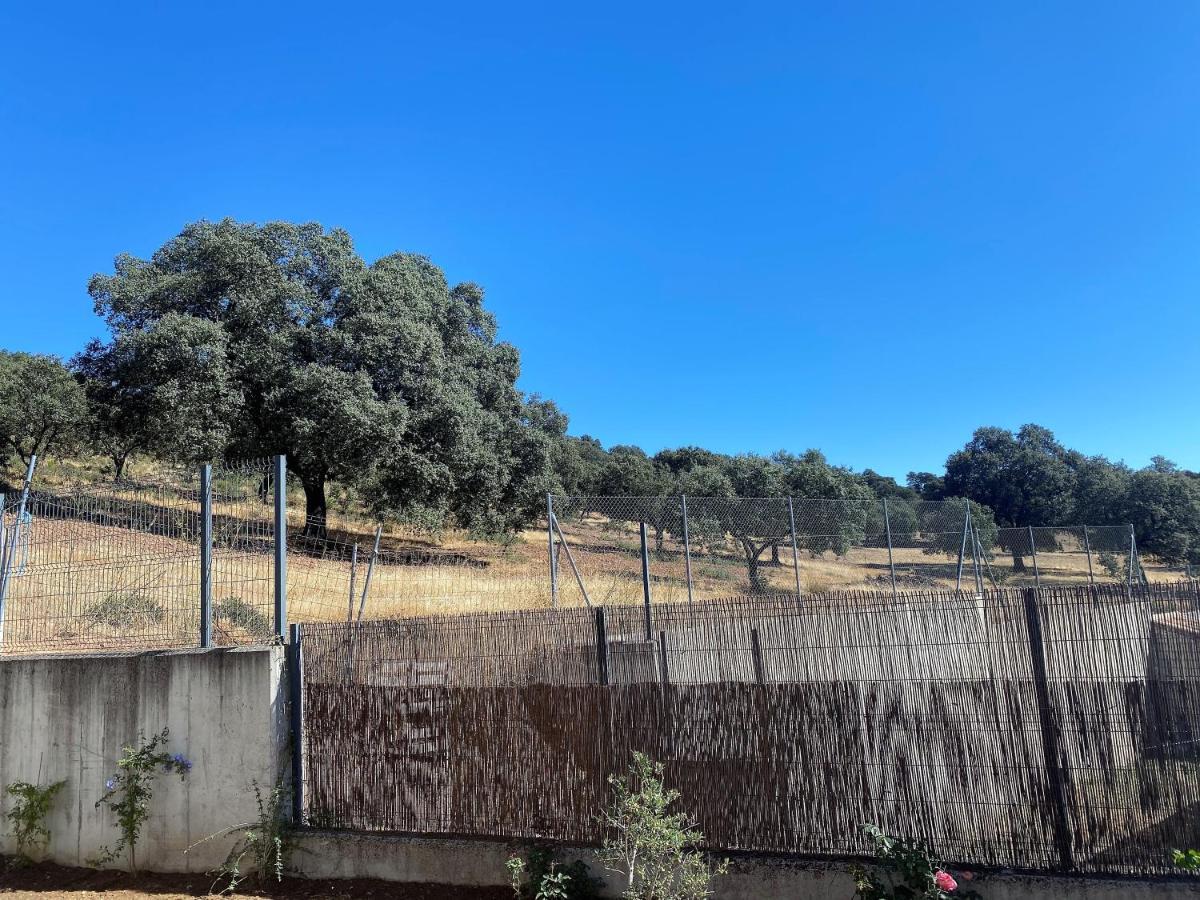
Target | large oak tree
(380,373)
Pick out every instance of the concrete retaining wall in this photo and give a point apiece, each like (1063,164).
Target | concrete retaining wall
(481,863)
(69,717)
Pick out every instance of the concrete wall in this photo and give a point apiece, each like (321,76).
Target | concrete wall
(69,718)
(481,863)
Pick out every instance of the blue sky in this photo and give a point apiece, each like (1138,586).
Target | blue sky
(863,228)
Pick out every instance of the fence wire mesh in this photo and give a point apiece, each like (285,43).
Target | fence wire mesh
(117,566)
(1053,729)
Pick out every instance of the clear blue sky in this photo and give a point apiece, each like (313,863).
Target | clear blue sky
(867,228)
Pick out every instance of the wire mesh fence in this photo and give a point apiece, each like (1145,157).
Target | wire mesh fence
(704,547)
(117,566)
(1054,728)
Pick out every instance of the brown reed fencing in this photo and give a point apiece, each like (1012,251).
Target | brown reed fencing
(1051,730)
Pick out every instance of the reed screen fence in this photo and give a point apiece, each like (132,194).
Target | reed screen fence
(1053,729)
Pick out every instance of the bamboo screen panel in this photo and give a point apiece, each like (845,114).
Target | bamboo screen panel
(1051,730)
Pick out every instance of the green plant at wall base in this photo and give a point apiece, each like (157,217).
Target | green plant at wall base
(28,815)
(262,848)
(129,792)
(542,877)
(1186,859)
(652,848)
(905,871)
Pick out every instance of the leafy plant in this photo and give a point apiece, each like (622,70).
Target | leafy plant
(263,847)
(651,847)
(905,871)
(1186,859)
(237,612)
(28,815)
(124,610)
(1112,565)
(128,793)
(542,877)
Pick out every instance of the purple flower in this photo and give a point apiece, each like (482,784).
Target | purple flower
(111,784)
(181,762)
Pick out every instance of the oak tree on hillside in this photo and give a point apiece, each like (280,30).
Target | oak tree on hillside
(1025,479)
(378,372)
(42,406)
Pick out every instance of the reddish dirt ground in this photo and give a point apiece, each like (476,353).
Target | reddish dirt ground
(49,882)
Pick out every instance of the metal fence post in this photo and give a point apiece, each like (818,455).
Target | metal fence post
(550,550)
(1037,575)
(353,580)
(687,547)
(601,646)
(646,580)
(887,522)
(756,657)
(280,546)
(1051,753)
(13,540)
(1132,559)
(1087,546)
(795,549)
(962,550)
(295,656)
(206,553)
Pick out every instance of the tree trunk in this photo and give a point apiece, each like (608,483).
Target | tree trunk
(316,508)
(1018,559)
(775,555)
(752,564)
(659,533)
(118,461)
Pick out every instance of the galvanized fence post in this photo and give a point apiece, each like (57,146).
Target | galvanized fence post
(13,541)
(550,550)
(687,547)
(601,647)
(646,580)
(295,657)
(962,550)
(1087,547)
(206,553)
(887,522)
(1037,575)
(1051,751)
(280,547)
(795,546)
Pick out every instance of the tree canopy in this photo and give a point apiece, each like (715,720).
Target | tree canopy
(379,373)
(42,406)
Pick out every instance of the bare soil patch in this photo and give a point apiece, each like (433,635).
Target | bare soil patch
(45,881)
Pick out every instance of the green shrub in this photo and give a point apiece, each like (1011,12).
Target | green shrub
(28,815)
(124,609)
(652,848)
(263,847)
(237,612)
(542,877)
(128,793)
(905,871)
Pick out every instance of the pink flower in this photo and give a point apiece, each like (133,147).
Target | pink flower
(945,880)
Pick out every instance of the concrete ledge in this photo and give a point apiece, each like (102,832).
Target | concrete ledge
(480,863)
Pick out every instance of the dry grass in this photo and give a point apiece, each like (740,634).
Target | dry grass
(132,579)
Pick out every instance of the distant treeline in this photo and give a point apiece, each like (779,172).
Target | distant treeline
(237,340)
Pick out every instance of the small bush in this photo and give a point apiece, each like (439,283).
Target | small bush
(126,609)
(28,815)
(905,871)
(652,848)
(262,848)
(542,877)
(238,613)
